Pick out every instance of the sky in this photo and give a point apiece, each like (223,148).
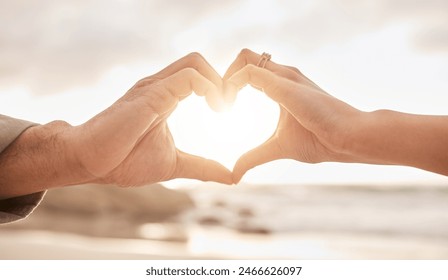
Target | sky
(71,59)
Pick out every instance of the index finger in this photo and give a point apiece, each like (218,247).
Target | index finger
(276,87)
(163,96)
(246,57)
(197,62)
(193,60)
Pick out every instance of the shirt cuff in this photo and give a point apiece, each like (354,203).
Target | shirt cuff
(17,208)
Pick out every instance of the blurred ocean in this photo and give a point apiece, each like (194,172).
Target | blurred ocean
(210,221)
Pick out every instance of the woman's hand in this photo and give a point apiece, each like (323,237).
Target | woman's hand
(316,127)
(313,126)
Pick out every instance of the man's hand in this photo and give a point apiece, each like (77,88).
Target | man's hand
(128,144)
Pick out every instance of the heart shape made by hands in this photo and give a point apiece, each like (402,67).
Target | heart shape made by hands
(224,136)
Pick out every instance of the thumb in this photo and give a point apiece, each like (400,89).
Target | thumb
(266,152)
(195,167)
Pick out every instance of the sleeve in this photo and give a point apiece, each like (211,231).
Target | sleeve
(16,208)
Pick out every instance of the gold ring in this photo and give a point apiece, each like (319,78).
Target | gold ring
(265,57)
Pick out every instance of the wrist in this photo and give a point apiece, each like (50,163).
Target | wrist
(39,159)
(55,154)
(347,138)
(70,168)
(365,140)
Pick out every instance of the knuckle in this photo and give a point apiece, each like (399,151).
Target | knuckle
(250,67)
(294,77)
(141,81)
(189,72)
(295,69)
(245,54)
(145,82)
(195,60)
(195,57)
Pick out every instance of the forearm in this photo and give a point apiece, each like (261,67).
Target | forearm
(389,137)
(40,158)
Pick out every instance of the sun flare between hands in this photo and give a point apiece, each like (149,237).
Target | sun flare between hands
(224,136)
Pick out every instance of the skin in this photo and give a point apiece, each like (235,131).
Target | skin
(316,127)
(129,144)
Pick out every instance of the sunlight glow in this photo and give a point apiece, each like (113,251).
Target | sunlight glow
(368,62)
(224,136)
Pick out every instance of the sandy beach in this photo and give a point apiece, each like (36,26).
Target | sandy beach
(242,222)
